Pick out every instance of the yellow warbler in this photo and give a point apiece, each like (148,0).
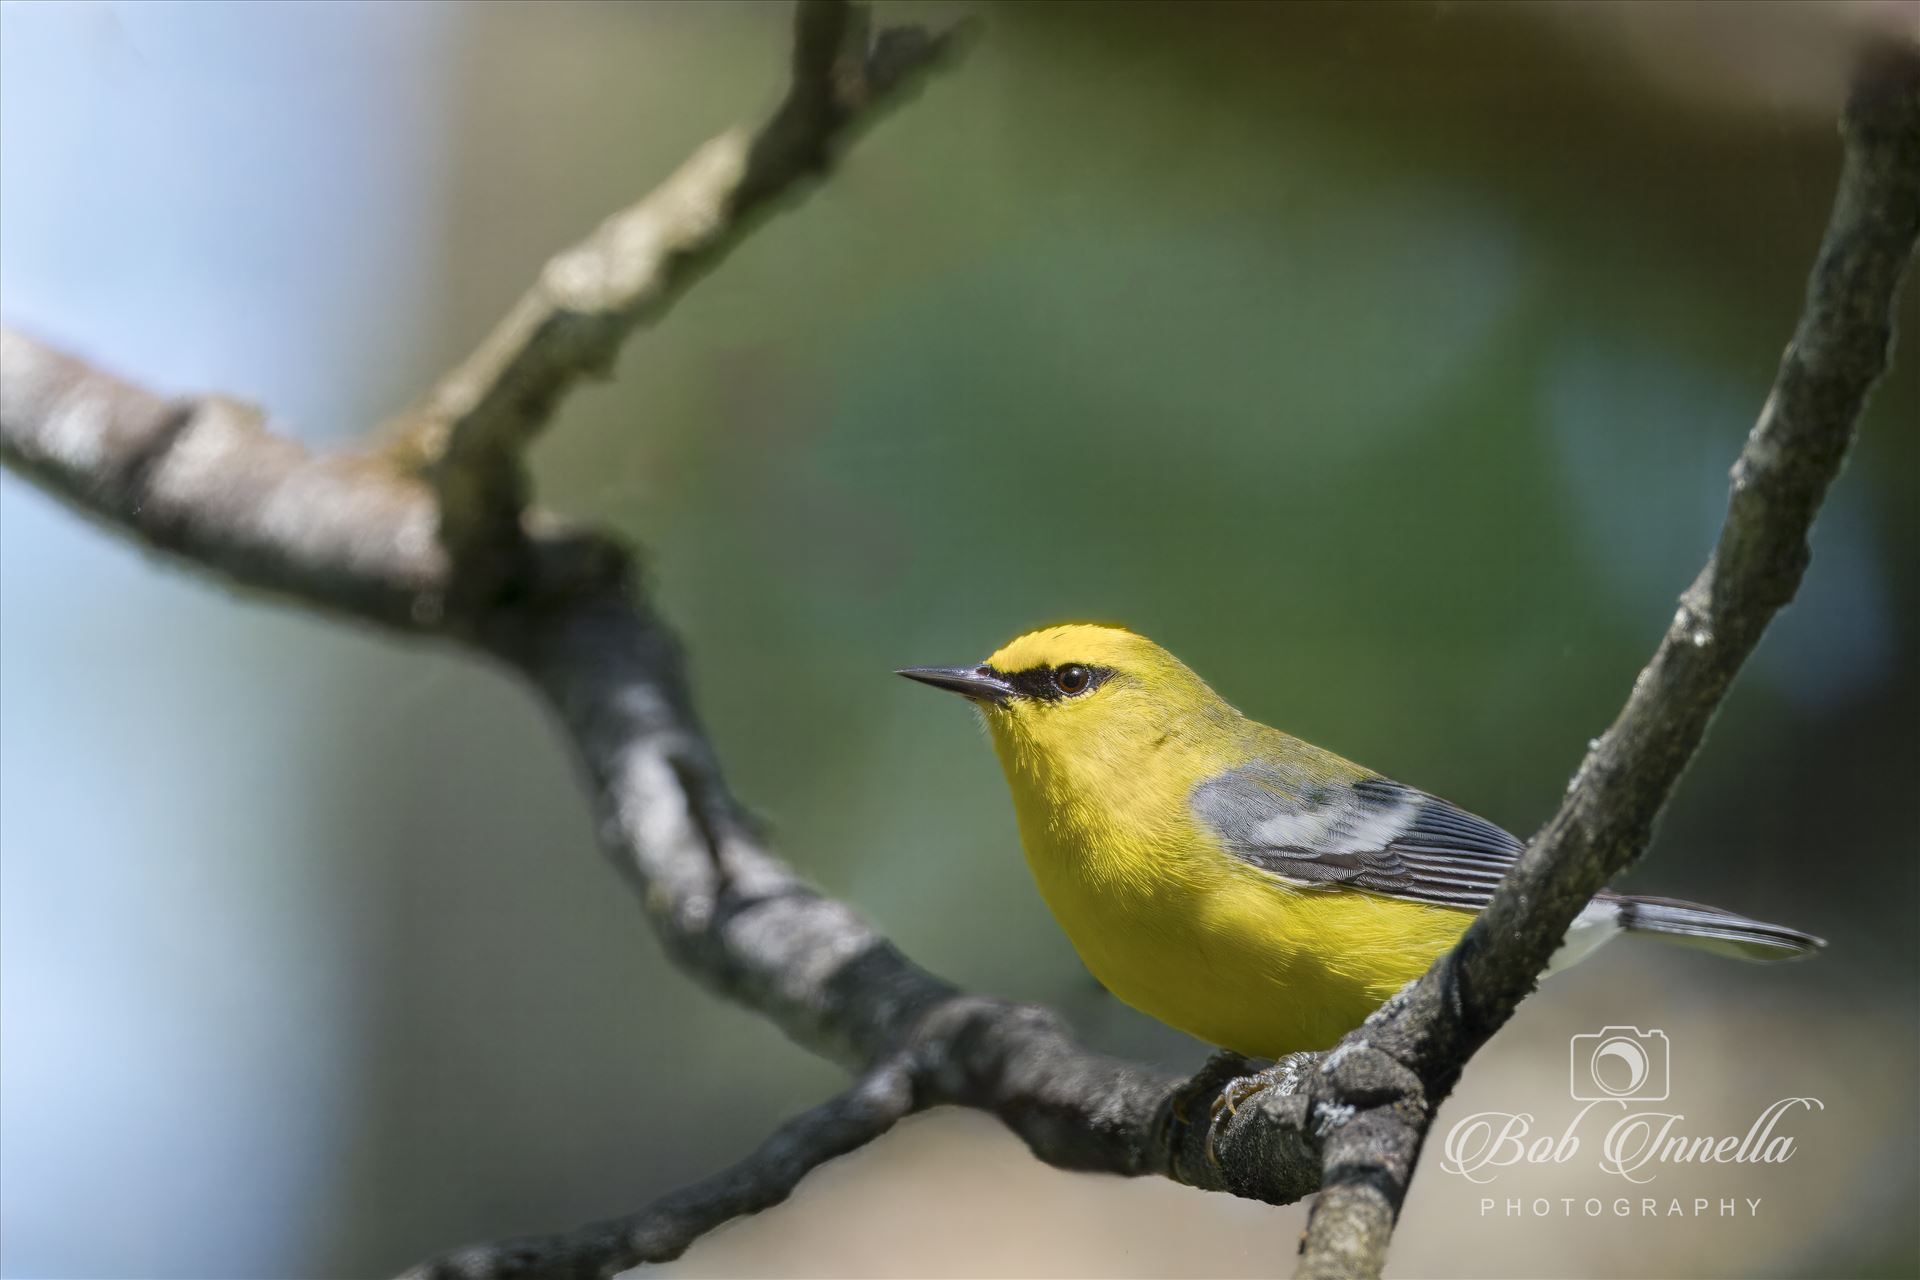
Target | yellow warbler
(1239,884)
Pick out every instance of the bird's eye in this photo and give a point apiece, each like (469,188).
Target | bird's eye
(1072,678)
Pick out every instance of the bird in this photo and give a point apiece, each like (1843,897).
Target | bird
(1243,886)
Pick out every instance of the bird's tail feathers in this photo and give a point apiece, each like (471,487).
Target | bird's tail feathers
(1711,929)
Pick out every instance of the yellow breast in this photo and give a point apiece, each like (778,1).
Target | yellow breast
(1176,927)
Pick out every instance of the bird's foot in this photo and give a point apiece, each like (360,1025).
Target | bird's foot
(1222,1069)
(1228,1082)
(1283,1077)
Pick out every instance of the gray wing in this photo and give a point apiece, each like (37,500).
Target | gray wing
(1375,835)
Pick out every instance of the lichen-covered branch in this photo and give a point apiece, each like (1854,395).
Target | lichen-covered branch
(1422,1040)
(432,535)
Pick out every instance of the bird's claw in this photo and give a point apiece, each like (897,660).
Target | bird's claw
(1224,1067)
(1283,1077)
(1229,1081)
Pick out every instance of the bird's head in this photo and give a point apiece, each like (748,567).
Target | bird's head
(1073,702)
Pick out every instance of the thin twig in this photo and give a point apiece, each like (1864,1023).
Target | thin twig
(664,1229)
(1406,1060)
(474,426)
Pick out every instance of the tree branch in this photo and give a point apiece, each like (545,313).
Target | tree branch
(395,538)
(204,479)
(664,1229)
(473,427)
(1416,1046)
(362,536)
(724,905)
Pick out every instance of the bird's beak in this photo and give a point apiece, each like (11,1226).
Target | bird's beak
(982,684)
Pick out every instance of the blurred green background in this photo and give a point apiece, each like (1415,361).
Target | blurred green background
(1385,362)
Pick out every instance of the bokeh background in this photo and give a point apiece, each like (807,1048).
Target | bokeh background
(1385,362)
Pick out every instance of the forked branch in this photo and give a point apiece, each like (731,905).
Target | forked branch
(431,533)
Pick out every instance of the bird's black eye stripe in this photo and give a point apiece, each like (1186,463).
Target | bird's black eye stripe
(1056,684)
